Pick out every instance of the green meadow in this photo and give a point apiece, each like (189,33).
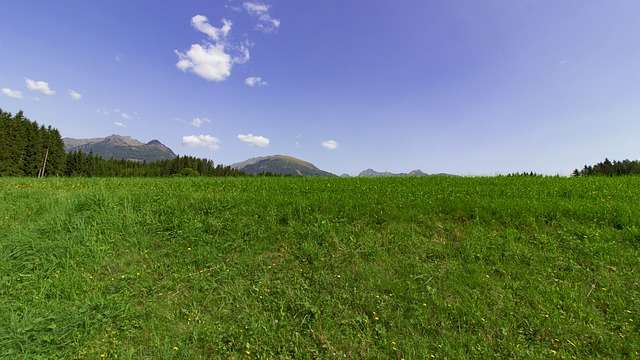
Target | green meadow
(319,268)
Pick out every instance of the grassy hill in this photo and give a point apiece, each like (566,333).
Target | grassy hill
(281,165)
(389,268)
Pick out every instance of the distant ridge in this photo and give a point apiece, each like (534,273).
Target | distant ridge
(120,148)
(415,173)
(279,165)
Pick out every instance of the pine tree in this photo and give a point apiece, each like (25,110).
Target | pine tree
(5,149)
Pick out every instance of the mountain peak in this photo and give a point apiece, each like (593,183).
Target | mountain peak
(280,165)
(418,173)
(121,148)
(119,140)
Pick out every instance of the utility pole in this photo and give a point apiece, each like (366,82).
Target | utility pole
(44,164)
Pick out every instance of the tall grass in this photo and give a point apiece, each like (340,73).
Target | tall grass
(320,268)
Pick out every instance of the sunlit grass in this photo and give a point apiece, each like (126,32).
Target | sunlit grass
(320,268)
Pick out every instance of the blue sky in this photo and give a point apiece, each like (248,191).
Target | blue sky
(460,86)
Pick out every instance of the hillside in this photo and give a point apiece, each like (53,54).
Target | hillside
(121,148)
(280,165)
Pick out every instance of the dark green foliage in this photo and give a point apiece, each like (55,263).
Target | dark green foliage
(188,172)
(81,164)
(57,158)
(528,174)
(23,145)
(610,168)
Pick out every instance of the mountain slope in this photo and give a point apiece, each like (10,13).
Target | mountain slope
(280,165)
(121,148)
(373,173)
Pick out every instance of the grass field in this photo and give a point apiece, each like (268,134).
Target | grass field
(278,268)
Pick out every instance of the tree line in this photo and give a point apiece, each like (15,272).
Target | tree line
(24,145)
(610,168)
(82,164)
(524,174)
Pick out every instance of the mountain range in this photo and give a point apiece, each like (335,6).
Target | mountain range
(416,173)
(127,148)
(373,173)
(120,148)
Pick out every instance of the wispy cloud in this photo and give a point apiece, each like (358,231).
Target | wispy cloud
(198,122)
(201,23)
(15,94)
(254,140)
(266,23)
(119,124)
(121,113)
(39,86)
(330,144)
(74,95)
(204,141)
(256,8)
(232,7)
(255,81)
(242,55)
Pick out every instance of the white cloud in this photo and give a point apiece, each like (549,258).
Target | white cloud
(210,62)
(119,124)
(75,95)
(254,140)
(232,7)
(266,23)
(255,81)
(206,141)
(197,122)
(255,8)
(125,116)
(213,61)
(330,144)
(15,94)
(39,86)
(201,23)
